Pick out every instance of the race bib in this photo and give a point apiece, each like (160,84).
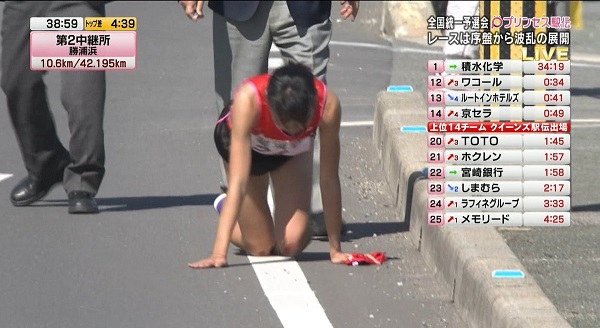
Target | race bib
(267,146)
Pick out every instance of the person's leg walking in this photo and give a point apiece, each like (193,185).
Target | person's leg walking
(83,96)
(240,51)
(43,154)
(86,121)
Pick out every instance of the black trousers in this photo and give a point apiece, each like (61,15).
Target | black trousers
(82,94)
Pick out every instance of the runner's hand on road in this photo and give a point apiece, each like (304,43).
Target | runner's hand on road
(210,262)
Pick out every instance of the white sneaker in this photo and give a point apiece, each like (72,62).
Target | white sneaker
(218,204)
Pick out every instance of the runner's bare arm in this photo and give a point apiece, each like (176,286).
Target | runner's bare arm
(329,130)
(244,112)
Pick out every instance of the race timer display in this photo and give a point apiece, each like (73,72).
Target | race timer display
(83,43)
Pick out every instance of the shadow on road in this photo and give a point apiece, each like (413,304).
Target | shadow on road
(364,229)
(138,203)
(590,92)
(586,208)
(122,204)
(302,257)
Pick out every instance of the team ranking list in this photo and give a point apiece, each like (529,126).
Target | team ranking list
(499,142)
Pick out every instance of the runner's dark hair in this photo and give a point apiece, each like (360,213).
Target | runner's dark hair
(291,93)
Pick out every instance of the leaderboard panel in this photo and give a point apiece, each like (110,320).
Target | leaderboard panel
(499,142)
(83,43)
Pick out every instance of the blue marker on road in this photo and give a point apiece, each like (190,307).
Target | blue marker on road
(399,88)
(509,274)
(413,128)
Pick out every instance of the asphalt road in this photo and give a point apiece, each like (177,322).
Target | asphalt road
(126,267)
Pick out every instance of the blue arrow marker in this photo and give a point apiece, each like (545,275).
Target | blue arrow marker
(509,274)
(413,129)
(425,170)
(399,88)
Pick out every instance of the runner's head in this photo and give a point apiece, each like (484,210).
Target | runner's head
(292,97)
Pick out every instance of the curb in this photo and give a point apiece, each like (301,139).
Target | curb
(465,257)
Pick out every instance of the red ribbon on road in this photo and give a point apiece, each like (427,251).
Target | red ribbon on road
(365,259)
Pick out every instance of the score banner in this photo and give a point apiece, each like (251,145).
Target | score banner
(499,143)
(78,50)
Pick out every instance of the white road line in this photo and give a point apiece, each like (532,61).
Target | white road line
(4,176)
(574,64)
(589,58)
(584,126)
(585,120)
(374,46)
(275,62)
(387,47)
(362,45)
(357,123)
(288,292)
(417,51)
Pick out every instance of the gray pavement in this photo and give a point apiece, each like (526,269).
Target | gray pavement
(563,261)
(126,267)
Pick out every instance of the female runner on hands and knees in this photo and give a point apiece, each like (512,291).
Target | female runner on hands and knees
(268,130)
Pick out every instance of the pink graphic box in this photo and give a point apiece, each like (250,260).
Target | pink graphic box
(121,43)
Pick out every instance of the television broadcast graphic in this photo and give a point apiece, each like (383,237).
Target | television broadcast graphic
(83,43)
(300,164)
(499,127)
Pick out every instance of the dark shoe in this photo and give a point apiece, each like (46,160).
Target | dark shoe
(29,191)
(317,225)
(82,202)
